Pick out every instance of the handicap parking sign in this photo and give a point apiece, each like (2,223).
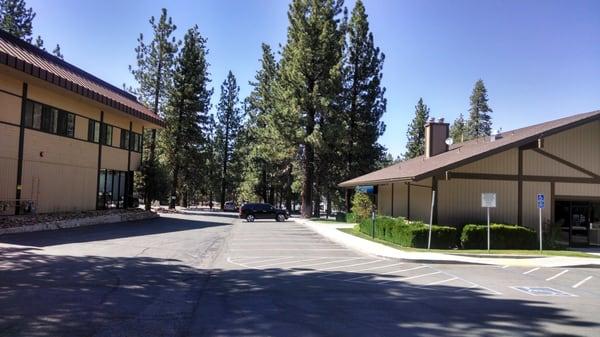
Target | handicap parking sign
(540,201)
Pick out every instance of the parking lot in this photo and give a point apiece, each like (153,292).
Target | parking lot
(201,274)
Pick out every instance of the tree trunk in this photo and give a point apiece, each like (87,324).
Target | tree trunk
(349,193)
(264,183)
(225,158)
(288,188)
(271,199)
(173,200)
(308,166)
(328,212)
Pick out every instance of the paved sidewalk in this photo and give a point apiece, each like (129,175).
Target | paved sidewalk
(330,231)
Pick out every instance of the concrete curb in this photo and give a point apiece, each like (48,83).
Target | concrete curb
(72,223)
(331,232)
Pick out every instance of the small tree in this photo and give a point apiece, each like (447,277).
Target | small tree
(16,18)
(416,131)
(361,206)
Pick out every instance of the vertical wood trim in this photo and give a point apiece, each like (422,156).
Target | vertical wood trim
(408,201)
(520,189)
(434,187)
(552,199)
(392,209)
(129,146)
(19,186)
(99,160)
(128,176)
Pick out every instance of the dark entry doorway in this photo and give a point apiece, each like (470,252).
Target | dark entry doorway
(579,221)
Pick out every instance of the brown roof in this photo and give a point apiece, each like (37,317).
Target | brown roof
(463,153)
(29,59)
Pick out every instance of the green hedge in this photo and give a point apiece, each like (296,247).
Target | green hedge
(407,234)
(501,237)
(345,217)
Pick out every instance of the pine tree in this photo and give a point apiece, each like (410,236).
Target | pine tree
(186,115)
(480,122)
(458,130)
(57,52)
(416,131)
(39,42)
(229,122)
(364,96)
(16,18)
(153,73)
(310,81)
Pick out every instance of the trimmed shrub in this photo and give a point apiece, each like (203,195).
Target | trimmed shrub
(361,206)
(501,237)
(345,217)
(410,234)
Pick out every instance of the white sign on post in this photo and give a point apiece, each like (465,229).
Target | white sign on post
(540,204)
(488,200)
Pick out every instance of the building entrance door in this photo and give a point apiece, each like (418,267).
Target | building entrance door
(577,221)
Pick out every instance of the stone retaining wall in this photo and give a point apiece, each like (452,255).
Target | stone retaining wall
(86,221)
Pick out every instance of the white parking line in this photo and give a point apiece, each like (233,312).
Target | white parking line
(386,273)
(442,281)
(530,271)
(411,277)
(576,285)
(270,260)
(322,263)
(378,267)
(286,249)
(504,267)
(557,275)
(286,262)
(352,265)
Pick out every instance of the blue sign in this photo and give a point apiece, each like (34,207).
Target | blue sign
(540,201)
(369,189)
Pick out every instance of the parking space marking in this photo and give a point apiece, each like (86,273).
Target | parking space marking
(557,275)
(530,271)
(411,277)
(286,262)
(286,249)
(352,265)
(442,281)
(322,263)
(386,273)
(378,267)
(270,260)
(504,267)
(576,285)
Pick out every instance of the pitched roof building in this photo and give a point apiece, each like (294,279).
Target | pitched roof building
(70,141)
(559,159)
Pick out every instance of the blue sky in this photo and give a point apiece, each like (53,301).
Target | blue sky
(540,60)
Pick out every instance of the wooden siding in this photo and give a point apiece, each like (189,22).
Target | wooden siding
(10,108)
(501,163)
(459,201)
(9,136)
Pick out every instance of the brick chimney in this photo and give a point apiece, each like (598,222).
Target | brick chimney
(436,133)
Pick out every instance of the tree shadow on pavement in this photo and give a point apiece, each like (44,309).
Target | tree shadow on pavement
(47,295)
(107,231)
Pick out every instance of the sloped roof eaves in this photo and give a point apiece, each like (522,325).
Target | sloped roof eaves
(420,168)
(14,55)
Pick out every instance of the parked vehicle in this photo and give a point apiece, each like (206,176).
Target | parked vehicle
(251,212)
(230,206)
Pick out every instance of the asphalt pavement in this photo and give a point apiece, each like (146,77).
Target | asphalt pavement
(213,275)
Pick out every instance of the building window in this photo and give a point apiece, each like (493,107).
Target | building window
(124,139)
(93,131)
(48,119)
(106,134)
(136,142)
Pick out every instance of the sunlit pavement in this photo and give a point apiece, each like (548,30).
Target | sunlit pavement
(211,275)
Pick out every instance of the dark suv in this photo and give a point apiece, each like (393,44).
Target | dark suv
(251,212)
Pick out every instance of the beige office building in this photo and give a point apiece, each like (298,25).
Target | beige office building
(558,159)
(68,140)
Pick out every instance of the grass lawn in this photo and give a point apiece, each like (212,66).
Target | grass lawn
(354,231)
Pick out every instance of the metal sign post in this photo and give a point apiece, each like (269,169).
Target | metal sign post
(540,205)
(488,200)
(373,223)
(431,219)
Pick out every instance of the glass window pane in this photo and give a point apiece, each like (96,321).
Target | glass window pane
(54,120)
(28,120)
(37,116)
(96,132)
(70,125)
(61,123)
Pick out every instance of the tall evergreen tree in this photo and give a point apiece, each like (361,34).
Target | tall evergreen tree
(186,115)
(16,18)
(480,121)
(416,131)
(364,95)
(229,122)
(153,73)
(458,130)
(57,52)
(310,81)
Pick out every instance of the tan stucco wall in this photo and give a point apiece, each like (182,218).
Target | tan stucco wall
(8,160)
(10,108)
